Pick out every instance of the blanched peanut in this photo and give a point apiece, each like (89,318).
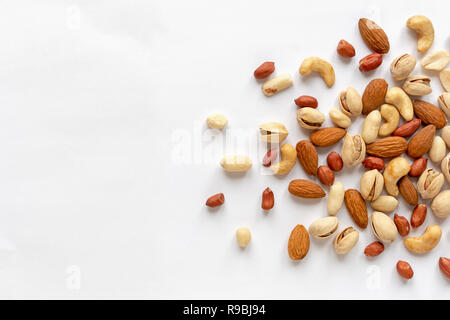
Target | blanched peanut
(277,84)
(371,126)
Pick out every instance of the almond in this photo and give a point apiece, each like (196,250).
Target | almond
(308,157)
(444,265)
(373,163)
(345,49)
(356,207)
(421,142)
(215,200)
(375,37)
(404,270)
(373,95)
(334,161)
(264,70)
(298,245)
(389,147)
(418,216)
(417,167)
(306,101)
(429,114)
(370,62)
(408,128)
(402,225)
(327,136)
(306,189)
(268,200)
(408,191)
(325,175)
(374,249)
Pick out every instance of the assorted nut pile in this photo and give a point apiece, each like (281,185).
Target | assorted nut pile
(394,164)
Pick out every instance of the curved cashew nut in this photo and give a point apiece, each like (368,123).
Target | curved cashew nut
(390,114)
(427,241)
(395,169)
(324,68)
(288,157)
(425,31)
(398,98)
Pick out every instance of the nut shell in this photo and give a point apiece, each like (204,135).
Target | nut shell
(383,227)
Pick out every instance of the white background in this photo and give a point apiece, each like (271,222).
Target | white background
(106,162)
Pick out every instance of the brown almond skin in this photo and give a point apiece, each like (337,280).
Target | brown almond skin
(268,200)
(264,70)
(215,200)
(325,175)
(334,161)
(408,128)
(374,37)
(306,101)
(402,225)
(374,95)
(444,265)
(308,157)
(421,142)
(405,270)
(269,157)
(298,245)
(429,114)
(408,191)
(374,249)
(389,147)
(418,215)
(356,207)
(345,49)
(370,62)
(326,137)
(306,189)
(373,163)
(418,167)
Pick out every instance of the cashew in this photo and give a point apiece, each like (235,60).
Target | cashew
(371,126)
(425,31)
(438,150)
(351,102)
(390,114)
(236,163)
(324,68)
(426,242)
(339,118)
(335,198)
(277,84)
(398,98)
(288,158)
(441,204)
(436,60)
(395,169)
(444,76)
(353,150)
(216,121)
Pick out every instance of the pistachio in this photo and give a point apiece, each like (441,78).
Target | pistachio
(437,151)
(346,240)
(444,77)
(383,227)
(445,134)
(371,126)
(417,85)
(385,204)
(371,184)
(339,118)
(390,114)
(335,198)
(353,150)
(402,66)
(310,118)
(445,167)
(436,60)
(273,132)
(430,183)
(444,102)
(441,204)
(351,102)
(324,228)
